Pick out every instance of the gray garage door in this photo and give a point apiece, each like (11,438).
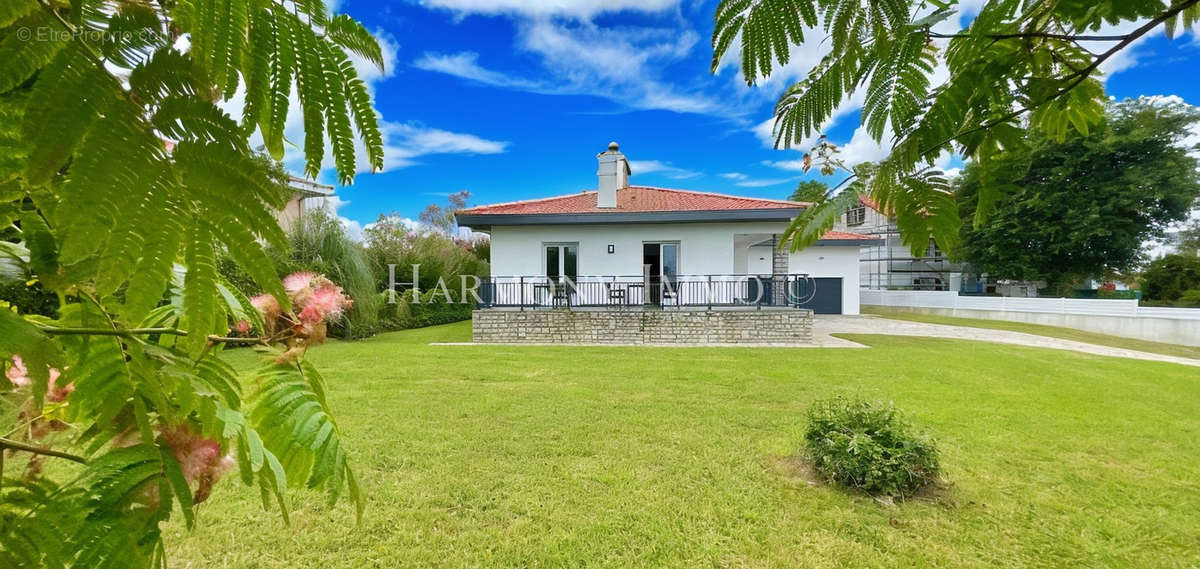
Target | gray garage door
(828,297)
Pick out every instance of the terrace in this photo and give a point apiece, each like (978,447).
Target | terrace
(649,292)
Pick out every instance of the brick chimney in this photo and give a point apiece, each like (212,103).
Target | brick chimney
(614,175)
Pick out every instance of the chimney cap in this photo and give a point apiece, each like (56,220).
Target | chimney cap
(613,146)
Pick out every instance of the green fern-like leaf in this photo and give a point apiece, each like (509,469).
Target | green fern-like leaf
(22,55)
(816,220)
(768,30)
(313,97)
(350,34)
(365,119)
(256,68)
(200,286)
(341,135)
(15,10)
(119,533)
(35,348)
(160,247)
(120,152)
(188,118)
(283,67)
(291,414)
(70,95)
(167,72)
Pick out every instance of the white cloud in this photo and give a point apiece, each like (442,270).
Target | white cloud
(332,204)
(404,142)
(863,148)
(745,181)
(660,167)
(622,64)
(796,165)
(579,9)
(761,183)
(407,141)
(466,65)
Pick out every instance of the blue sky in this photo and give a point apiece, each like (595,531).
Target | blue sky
(512,99)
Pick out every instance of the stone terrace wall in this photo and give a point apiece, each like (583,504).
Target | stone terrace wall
(642,326)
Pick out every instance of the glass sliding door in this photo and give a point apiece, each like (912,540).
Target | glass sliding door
(562,267)
(660,263)
(562,260)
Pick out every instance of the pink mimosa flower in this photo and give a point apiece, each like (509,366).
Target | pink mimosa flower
(329,300)
(242,327)
(199,459)
(17,373)
(296,282)
(55,394)
(266,305)
(311,315)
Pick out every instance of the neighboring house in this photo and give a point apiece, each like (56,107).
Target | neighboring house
(636,246)
(306,195)
(890,265)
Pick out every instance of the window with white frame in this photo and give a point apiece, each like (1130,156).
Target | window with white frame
(856,215)
(561,260)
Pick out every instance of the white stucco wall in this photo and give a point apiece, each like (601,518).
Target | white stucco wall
(705,249)
(821,261)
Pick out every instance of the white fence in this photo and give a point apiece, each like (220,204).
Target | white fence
(1115,317)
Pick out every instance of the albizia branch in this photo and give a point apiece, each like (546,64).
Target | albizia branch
(17,445)
(130,332)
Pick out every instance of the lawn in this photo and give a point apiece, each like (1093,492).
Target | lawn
(485,456)
(1041,330)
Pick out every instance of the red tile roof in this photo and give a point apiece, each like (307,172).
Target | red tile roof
(633,199)
(867,201)
(640,199)
(845,235)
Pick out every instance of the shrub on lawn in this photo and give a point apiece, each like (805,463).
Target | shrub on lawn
(868,446)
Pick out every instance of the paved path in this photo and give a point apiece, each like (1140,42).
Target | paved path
(868,324)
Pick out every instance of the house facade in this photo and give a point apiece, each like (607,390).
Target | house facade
(305,194)
(626,246)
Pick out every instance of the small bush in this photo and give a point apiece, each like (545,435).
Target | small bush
(866,445)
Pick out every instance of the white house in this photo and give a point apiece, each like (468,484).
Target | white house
(637,246)
(298,205)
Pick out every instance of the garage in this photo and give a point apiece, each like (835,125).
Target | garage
(825,296)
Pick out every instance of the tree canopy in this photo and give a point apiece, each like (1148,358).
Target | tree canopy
(121,181)
(811,191)
(1173,278)
(1083,206)
(1016,63)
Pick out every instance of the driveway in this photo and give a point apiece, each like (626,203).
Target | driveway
(824,325)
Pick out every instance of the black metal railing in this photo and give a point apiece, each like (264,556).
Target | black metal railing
(681,291)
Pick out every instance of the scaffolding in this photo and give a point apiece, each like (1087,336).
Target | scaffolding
(891,265)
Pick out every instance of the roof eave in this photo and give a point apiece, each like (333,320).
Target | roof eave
(763,214)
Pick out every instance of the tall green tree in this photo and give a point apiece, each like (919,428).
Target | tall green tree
(122,179)
(1083,206)
(811,191)
(441,218)
(1173,278)
(1189,237)
(1017,61)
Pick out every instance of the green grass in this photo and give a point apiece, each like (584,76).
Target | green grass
(1178,350)
(485,456)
